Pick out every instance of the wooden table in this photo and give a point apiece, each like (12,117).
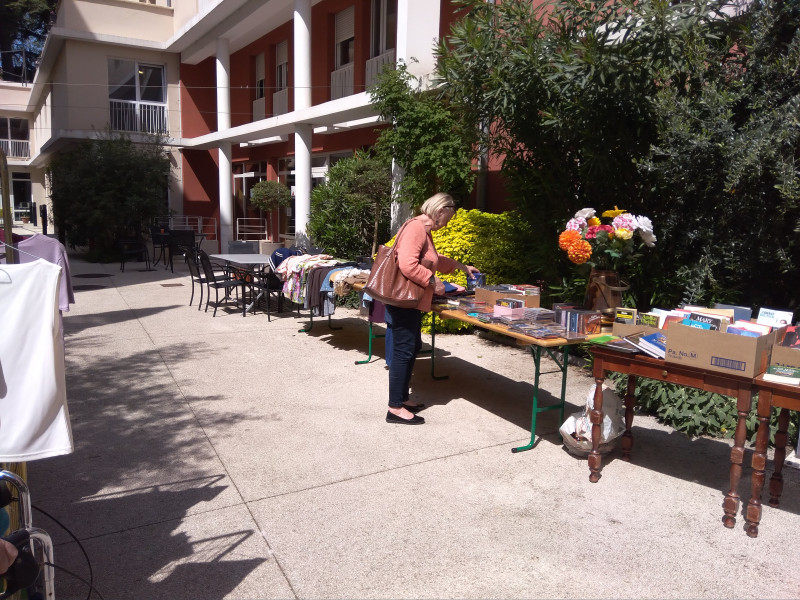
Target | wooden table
(740,387)
(536,346)
(787,398)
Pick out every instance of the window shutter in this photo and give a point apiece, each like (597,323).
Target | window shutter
(282,53)
(345,24)
(260,67)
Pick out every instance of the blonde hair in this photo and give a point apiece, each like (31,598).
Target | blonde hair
(435,203)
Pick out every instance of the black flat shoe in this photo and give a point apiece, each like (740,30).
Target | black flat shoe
(414,408)
(393,418)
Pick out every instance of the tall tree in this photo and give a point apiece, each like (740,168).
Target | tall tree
(23,28)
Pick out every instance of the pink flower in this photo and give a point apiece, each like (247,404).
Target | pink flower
(592,232)
(624,221)
(578,223)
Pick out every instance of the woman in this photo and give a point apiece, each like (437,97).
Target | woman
(418,261)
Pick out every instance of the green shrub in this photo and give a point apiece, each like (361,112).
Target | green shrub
(695,412)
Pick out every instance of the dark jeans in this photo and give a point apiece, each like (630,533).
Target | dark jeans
(406,341)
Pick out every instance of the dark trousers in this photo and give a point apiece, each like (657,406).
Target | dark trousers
(406,341)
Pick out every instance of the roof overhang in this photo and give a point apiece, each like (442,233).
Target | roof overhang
(351,112)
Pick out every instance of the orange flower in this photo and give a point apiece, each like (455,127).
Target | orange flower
(579,252)
(568,238)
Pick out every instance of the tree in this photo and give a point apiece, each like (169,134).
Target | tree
(726,167)
(108,188)
(563,93)
(23,25)
(269,196)
(425,140)
(351,210)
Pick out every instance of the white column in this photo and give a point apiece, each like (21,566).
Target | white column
(303,133)
(225,196)
(302,54)
(302,181)
(417,32)
(223,63)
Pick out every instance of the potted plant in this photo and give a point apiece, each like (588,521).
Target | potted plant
(269,196)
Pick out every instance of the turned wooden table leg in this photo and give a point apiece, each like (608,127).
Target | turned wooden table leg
(752,513)
(731,503)
(596,418)
(630,402)
(781,437)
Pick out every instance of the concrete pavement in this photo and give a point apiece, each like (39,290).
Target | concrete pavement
(237,458)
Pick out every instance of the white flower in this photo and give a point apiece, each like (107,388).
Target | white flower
(585,214)
(645,227)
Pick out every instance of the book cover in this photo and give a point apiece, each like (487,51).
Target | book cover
(774,317)
(790,338)
(635,338)
(649,319)
(740,313)
(759,329)
(741,331)
(654,343)
(715,323)
(697,324)
(783,374)
(623,345)
(625,315)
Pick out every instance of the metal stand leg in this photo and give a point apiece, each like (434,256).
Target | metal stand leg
(536,352)
(433,350)
(372,336)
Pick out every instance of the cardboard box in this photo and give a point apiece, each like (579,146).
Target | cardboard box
(785,356)
(491,297)
(718,351)
(623,329)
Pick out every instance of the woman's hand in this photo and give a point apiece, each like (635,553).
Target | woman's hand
(469,270)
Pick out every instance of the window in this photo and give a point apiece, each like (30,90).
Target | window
(282,66)
(14,137)
(260,76)
(137,96)
(345,37)
(384,26)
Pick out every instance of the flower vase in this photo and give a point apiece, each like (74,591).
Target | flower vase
(604,290)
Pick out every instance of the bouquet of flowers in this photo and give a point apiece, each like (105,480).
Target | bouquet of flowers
(587,239)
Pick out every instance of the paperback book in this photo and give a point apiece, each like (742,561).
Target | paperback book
(783,374)
(654,344)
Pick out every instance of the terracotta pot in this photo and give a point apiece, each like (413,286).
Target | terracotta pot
(25,219)
(604,290)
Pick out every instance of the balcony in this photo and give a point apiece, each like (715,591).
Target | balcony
(280,102)
(376,65)
(259,112)
(342,82)
(139,117)
(16,148)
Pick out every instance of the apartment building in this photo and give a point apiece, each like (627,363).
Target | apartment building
(242,90)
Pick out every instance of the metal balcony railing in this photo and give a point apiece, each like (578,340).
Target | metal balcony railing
(139,117)
(342,82)
(258,109)
(251,228)
(204,225)
(377,64)
(16,148)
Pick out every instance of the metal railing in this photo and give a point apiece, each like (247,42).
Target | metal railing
(259,112)
(280,102)
(342,82)
(140,117)
(377,64)
(251,228)
(16,148)
(204,225)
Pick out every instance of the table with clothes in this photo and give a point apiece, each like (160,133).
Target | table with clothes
(312,281)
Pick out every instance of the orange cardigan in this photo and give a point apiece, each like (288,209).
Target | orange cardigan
(418,259)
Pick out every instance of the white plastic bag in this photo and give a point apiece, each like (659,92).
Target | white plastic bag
(579,424)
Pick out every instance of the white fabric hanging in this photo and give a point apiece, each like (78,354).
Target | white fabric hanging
(34,419)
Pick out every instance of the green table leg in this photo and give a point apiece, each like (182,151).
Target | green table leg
(536,352)
(372,336)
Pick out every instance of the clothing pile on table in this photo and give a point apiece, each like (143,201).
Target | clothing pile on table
(312,280)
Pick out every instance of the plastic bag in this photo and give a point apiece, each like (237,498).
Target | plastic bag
(576,431)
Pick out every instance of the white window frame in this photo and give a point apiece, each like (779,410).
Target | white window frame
(379,30)
(281,66)
(345,34)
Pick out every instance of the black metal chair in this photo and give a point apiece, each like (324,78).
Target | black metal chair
(159,236)
(131,248)
(217,281)
(193,262)
(265,284)
(179,240)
